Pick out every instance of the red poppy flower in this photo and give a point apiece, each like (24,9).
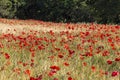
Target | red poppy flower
(51,73)
(66,64)
(109,61)
(40,47)
(7,56)
(55,67)
(106,73)
(84,64)
(33,54)
(110,40)
(71,52)
(87,33)
(93,68)
(70,78)
(88,54)
(117,59)
(60,56)
(114,73)
(105,53)
(51,32)
(66,46)
(32,78)
(27,72)
(112,45)
(25,64)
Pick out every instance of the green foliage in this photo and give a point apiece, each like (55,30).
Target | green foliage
(9,8)
(101,11)
(57,10)
(105,11)
(6,8)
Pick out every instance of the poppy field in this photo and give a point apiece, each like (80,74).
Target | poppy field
(37,50)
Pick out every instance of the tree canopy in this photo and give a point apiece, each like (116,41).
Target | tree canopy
(100,11)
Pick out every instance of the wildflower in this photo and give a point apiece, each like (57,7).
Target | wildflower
(114,73)
(51,73)
(66,64)
(66,46)
(55,67)
(71,52)
(7,56)
(70,78)
(93,68)
(105,53)
(109,61)
(60,56)
(32,78)
(27,72)
(84,64)
(117,59)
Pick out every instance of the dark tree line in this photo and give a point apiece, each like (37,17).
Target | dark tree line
(100,11)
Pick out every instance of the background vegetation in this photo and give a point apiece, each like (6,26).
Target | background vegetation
(100,11)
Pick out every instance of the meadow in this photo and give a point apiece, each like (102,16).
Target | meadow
(37,50)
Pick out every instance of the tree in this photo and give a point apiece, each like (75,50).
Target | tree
(105,11)
(6,9)
(9,8)
(101,11)
(56,10)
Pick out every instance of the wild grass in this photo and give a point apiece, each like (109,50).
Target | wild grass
(85,54)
